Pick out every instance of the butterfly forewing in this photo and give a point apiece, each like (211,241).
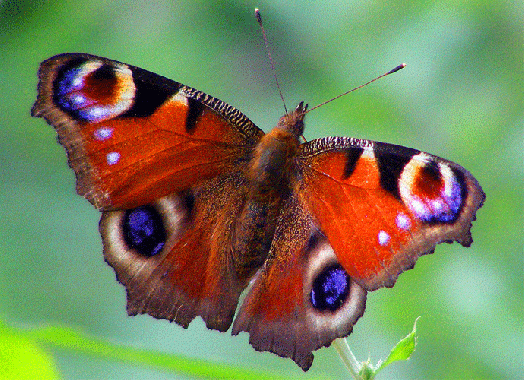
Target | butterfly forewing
(133,136)
(381,206)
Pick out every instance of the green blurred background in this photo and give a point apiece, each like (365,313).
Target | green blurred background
(460,97)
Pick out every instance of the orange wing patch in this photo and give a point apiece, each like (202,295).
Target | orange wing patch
(362,221)
(278,311)
(123,149)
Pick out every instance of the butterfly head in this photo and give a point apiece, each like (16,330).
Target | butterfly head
(293,122)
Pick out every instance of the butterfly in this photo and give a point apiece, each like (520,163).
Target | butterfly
(198,205)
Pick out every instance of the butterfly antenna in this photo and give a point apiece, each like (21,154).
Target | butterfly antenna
(259,20)
(399,67)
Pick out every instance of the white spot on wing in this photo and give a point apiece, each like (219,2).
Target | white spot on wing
(96,113)
(78,100)
(179,97)
(403,222)
(113,158)
(77,82)
(383,238)
(368,152)
(437,205)
(418,207)
(103,133)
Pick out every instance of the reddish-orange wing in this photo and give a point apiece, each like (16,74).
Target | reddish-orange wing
(381,205)
(133,136)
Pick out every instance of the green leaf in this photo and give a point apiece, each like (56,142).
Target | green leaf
(76,341)
(403,349)
(366,370)
(21,356)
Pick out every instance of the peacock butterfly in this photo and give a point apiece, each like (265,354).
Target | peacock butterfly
(197,203)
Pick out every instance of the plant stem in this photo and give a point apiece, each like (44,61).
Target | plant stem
(350,361)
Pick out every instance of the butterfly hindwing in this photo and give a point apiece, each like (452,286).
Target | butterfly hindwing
(302,299)
(172,255)
(381,206)
(118,122)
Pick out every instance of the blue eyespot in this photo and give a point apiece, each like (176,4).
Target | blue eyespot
(144,230)
(330,288)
